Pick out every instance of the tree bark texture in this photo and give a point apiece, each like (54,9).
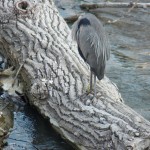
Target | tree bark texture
(56,79)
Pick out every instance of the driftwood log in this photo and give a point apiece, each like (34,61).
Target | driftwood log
(56,79)
(114,5)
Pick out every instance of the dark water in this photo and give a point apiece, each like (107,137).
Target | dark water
(128,67)
(32,132)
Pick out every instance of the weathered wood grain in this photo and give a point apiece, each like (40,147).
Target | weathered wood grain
(56,80)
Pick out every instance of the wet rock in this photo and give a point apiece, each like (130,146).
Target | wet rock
(6,120)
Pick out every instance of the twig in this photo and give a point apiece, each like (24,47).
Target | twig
(17,73)
(5,106)
(129,10)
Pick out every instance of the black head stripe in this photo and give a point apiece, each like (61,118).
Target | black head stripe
(84,22)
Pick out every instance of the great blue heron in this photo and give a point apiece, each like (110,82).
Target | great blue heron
(93,45)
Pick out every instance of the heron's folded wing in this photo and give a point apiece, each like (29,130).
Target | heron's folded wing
(92,45)
(75,30)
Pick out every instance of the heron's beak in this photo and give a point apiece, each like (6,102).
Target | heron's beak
(81,15)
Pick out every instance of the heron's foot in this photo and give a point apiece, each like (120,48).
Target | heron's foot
(88,90)
(88,93)
(90,99)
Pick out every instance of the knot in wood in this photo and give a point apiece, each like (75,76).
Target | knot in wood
(23,5)
(39,91)
(24,8)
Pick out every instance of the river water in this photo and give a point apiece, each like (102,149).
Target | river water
(129,64)
(32,132)
(128,67)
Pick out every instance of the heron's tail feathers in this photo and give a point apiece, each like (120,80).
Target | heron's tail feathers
(99,72)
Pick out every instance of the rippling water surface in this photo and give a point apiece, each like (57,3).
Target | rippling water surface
(31,132)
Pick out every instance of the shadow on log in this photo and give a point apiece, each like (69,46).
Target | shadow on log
(55,77)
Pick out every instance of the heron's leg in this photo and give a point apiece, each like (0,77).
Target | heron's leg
(94,85)
(91,75)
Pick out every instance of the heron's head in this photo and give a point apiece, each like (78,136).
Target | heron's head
(84,22)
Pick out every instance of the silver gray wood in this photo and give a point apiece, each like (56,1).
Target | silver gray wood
(55,76)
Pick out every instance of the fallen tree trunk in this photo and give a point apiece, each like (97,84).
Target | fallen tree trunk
(115,5)
(55,80)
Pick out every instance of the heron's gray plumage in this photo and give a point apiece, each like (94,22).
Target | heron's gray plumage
(92,42)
